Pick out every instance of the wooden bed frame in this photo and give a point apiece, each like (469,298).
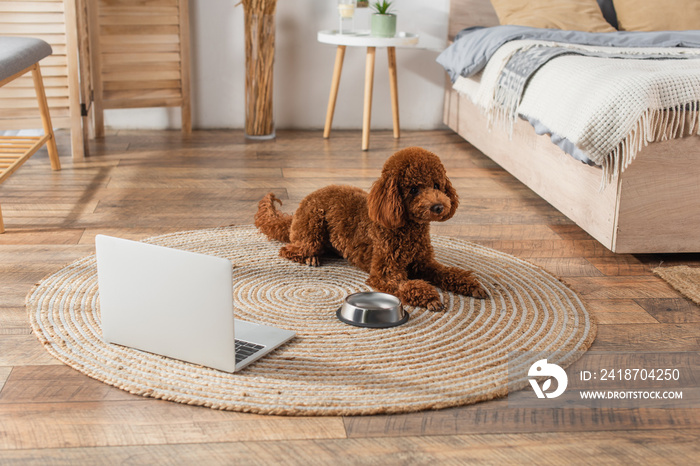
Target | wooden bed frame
(652,207)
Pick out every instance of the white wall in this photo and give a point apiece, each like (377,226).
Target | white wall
(303,69)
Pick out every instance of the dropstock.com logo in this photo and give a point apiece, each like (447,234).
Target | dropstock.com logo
(542,368)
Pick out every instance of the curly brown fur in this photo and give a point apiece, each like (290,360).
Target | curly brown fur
(385,233)
(273,223)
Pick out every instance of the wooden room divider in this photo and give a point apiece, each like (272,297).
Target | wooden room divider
(107,54)
(140,56)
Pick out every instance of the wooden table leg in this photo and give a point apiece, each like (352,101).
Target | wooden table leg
(369,81)
(391,51)
(337,69)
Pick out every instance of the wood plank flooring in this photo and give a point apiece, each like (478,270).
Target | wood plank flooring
(140,184)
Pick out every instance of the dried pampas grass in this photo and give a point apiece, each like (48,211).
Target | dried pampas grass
(260,57)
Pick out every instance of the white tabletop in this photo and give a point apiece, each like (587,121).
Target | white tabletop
(364,39)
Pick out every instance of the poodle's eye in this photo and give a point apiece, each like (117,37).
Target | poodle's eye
(436,186)
(413,190)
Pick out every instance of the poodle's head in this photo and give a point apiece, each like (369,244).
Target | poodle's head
(413,187)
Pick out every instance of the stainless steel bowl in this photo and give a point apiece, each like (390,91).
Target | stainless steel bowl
(372,309)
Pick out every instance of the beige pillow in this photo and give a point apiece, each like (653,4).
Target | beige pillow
(570,15)
(657,15)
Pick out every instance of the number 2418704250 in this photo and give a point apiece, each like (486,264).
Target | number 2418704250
(639,374)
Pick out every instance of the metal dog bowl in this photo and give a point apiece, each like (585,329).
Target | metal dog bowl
(372,309)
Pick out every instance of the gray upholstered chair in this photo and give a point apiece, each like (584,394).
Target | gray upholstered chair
(18,56)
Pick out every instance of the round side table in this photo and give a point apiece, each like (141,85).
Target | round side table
(364,39)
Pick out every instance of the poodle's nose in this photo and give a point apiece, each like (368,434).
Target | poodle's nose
(437,208)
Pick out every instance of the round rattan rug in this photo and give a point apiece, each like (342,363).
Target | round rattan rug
(684,279)
(473,351)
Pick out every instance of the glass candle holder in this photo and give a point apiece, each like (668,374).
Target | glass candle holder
(346,13)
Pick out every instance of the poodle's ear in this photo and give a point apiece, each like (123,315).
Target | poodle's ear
(452,195)
(385,204)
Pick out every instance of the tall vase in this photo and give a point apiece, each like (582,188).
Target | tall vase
(259,60)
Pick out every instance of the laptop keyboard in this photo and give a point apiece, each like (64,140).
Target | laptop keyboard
(245,349)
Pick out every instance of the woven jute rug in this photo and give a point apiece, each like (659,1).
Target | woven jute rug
(435,360)
(684,279)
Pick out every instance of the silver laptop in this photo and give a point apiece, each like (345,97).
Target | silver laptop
(177,304)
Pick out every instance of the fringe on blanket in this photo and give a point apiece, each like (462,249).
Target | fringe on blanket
(503,105)
(653,126)
(504,110)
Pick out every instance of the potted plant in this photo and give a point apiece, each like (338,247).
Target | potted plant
(383,22)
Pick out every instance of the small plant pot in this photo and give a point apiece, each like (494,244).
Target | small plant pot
(383,25)
(362,4)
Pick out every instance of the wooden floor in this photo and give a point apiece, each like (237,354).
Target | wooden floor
(138,184)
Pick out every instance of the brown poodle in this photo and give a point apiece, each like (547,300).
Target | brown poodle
(386,233)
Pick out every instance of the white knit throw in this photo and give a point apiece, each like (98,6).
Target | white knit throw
(608,108)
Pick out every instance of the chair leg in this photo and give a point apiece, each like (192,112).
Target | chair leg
(2,224)
(46,117)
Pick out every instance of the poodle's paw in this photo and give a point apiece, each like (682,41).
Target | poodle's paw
(313,261)
(464,283)
(478,291)
(435,306)
(294,253)
(421,293)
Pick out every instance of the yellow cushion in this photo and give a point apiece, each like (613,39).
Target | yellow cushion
(657,15)
(569,15)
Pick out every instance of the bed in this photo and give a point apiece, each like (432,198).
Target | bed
(649,204)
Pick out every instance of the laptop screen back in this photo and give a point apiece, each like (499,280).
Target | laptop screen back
(166,301)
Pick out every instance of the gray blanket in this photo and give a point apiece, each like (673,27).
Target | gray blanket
(473,47)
